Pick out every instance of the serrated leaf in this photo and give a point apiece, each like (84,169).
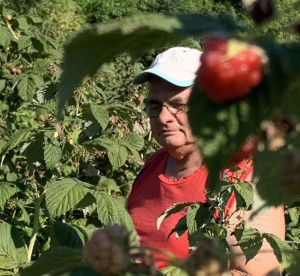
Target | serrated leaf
(203,24)
(173,271)
(63,195)
(38,80)
(284,253)
(34,19)
(52,149)
(92,47)
(102,142)
(26,88)
(5,36)
(6,191)
(24,41)
(180,228)
(198,214)
(41,66)
(175,208)
(134,140)
(55,262)
(117,155)
(17,139)
(2,84)
(101,115)
(108,183)
(250,241)
(244,194)
(12,247)
(111,211)
(63,234)
(22,22)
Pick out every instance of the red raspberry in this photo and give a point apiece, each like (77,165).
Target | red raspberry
(245,151)
(229,68)
(107,250)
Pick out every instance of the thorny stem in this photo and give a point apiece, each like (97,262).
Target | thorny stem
(36,225)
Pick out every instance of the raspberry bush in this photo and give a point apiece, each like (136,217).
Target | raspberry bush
(61,180)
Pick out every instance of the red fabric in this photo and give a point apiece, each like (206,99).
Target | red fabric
(153,193)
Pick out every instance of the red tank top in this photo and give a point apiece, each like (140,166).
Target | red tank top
(152,193)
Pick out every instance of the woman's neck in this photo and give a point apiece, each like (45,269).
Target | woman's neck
(180,165)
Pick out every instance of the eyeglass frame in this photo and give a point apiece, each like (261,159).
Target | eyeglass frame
(184,107)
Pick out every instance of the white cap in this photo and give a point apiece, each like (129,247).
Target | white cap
(178,65)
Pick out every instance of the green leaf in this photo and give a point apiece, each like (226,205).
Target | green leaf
(170,211)
(63,234)
(135,141)
(101,115)
(102,142)
(34,19)
(23,25)
(108,183)
(6,191)
(24,41)
(63,195)
(117,155)
(52,149)
(250,241)
(26,88)
(203,24)
(284,253)
(180,227)
(55,262)
(17,139)
(2,84)
(197,215)
(12,248)
(38,80)
(173,271)
(92,47)
(5,36)
(111,211)
(244,194)
(41,66)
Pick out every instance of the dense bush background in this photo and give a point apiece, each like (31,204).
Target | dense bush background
(58,183)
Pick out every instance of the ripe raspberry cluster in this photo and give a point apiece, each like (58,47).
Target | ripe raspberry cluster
(229,68)
(107,250)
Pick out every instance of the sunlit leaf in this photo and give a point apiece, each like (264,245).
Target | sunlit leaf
(197,215)
(111,211)
(282,250)
(171,210)
(63,195)
(250,241)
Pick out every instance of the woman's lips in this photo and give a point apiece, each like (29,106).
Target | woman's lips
(167,132)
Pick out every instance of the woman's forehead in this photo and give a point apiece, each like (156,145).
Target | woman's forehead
(163,90)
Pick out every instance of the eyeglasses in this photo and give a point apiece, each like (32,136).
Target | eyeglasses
(153,109)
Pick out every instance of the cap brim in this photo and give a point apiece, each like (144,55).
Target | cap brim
(144,77)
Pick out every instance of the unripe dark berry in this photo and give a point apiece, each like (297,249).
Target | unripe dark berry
(13,71)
